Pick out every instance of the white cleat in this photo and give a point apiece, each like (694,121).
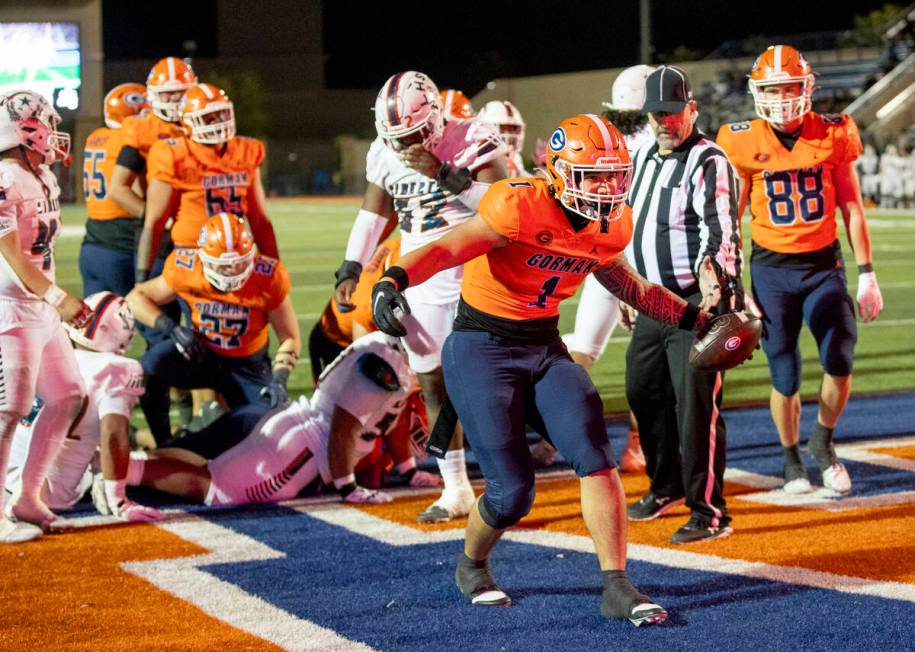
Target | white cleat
(452,504)
(798,486)
(836,479)
(17,532)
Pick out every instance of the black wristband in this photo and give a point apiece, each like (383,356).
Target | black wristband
(454,180)
(688,318)
(347,489)
(399,276)
(164,323)
(349,269)
(281,375)
(865,268)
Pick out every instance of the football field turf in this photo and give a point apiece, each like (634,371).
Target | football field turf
(312,236)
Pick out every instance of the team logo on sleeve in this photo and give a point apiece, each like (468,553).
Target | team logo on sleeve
(761,157)
(544,238)
(558,139)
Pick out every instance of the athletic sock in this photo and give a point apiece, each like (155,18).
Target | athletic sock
(821,447)
(454,470)
(135,467)
(793,457)
(115,493)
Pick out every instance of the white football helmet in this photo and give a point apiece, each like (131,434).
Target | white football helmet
(408,111)
(628,92)
(504,116)
(110,329)
(29,120)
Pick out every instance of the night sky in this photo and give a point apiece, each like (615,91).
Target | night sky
(466,44)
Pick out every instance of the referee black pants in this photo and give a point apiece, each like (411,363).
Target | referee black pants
(680,424)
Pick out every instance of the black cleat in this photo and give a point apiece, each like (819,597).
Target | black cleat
(621,600)
(475,581)
(697,530)
(652,506)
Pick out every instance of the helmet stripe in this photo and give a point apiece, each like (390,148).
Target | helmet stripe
(227,229)
(393,118)
(508,109)
(778,58)
(100,309)
(206,91)
(172,75)
(602,128)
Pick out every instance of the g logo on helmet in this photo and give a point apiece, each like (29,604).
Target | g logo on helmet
(134,99)
(558,139)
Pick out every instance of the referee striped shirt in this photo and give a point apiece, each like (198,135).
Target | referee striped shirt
(684,208)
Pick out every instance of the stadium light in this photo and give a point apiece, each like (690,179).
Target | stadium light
(894,103)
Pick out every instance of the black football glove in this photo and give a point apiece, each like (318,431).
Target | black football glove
(276,393)
(387,302)
(190,344)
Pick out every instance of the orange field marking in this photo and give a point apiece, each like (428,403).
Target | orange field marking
(872,543)
(62,591)
(905,452)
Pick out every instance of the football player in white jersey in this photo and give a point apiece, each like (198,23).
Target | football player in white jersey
(432,175)
(867,167)
(504,116)
(299,444)
(35,354)
(113,384)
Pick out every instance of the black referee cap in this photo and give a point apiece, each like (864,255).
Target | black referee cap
(667,89)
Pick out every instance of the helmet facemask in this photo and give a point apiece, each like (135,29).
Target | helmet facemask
(781,110)
(111,328)
(214,124)
(594,206)
(427,133)
(164,100)
(229,271)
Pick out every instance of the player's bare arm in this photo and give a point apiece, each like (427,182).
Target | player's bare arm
(286,326)
(124,188)
(467,241)
(144,300)
(70,308)
(364,237)
(159,198)
(655,301)
(261,226)
(341,446)
(850,203)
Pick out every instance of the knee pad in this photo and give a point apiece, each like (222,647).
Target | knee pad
(514,506)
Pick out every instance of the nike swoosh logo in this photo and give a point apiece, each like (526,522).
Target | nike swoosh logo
(377,298)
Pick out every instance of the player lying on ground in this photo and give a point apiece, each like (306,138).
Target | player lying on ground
(293,448)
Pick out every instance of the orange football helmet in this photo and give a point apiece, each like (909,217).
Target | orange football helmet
(781,65)
(207,115)
(226,249)
(456,105)
(122,101)
(167,81)
(585,147)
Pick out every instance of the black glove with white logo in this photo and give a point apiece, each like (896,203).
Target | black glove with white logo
(388,307)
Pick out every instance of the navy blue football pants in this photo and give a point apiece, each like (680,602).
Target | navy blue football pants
(238,380)
(497,387)
(224,433)
(790,296)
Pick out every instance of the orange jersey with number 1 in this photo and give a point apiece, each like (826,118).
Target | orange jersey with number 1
(234,323)
(99,157)
(792,193)
(209,183)
(545,259)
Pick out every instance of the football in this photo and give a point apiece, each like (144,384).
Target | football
(726,341)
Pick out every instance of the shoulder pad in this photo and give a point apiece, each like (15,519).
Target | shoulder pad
(379,371)
(832,118)
(264,265)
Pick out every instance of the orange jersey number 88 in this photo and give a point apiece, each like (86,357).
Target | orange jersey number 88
(795,193)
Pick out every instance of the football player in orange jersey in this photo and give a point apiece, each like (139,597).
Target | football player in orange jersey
(166,83)
(210,171)
(796,167)
(530,246)
(233,294)
(107,255)
(337,329)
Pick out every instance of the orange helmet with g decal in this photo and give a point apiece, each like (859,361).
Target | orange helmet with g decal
(122,101)
(226,249)
(588,167)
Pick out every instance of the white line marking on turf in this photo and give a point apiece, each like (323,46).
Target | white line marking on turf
(395,534)
(225,601)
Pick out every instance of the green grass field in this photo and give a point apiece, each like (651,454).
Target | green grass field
(312,236)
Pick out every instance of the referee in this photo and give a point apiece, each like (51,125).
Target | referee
(687,238)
